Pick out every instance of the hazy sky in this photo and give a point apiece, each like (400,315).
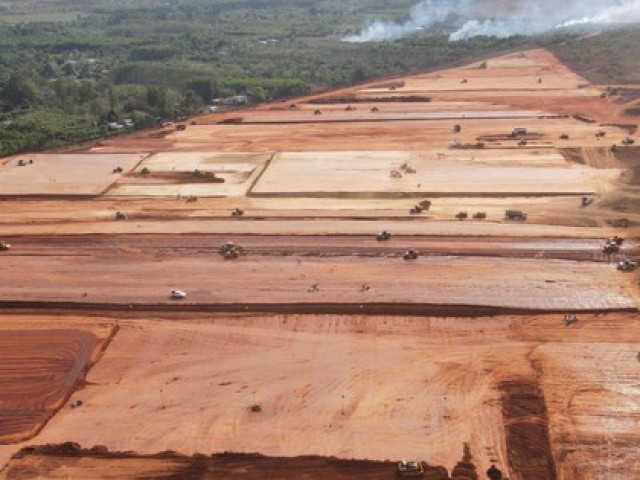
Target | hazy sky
(490,17)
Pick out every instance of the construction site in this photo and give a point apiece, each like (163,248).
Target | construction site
(431,276)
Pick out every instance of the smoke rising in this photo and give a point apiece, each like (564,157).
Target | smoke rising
(492,18)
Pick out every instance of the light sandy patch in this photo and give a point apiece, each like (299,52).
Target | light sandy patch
(63,174)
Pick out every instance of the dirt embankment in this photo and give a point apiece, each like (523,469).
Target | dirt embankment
(69,460)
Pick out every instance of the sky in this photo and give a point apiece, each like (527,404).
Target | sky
(503,18)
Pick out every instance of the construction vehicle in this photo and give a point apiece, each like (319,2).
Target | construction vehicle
(317,112)
(120,216)
(480,215)
(383,236)
(238,212)
(375,109)
(410,469)
(22,163)
(395,174)
(515,215)
(350,108)
(586,200)
(230,251)
(177,295)
(462,215)
(609,248)
(181,127)
(410,254)
(457,128)
(4,246)
(600,133)
(564,136)
(616,239)
(522,143)
(628,141)
(425,204)
(626,265)
(518,131)
(415,210)
(118,170)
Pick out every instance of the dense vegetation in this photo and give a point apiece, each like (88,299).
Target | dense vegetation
(74,70)
(610,57)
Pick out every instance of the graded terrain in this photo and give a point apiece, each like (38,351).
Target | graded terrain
(515,335)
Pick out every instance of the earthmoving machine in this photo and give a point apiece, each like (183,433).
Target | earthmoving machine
(564,136)
(177,295)
(410,469)
(522,143)
(415,210)
(462,215)
(118,170)
(410,254)
(516,132)
(375,109)
(4,246)
(238,212)
(600,133)
(457,128)
(616,239)
(383,236)
(515,215)
(609,248)
(480,215)
(395,174)
(628,141)
(120,216)
(586,200)
(626,265)
(230,250)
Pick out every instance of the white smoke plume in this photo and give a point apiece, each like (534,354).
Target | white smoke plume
(493,18)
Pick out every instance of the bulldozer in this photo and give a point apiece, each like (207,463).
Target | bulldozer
(626,265)
(383,236)
(610,248)
(410,254)
(230,251)
(4,246)
(410,469)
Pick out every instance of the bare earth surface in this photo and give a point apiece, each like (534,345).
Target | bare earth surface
(321,341)
(40,366)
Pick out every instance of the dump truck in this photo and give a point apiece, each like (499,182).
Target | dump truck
(177,295)
(515,215)
(626,265)
(383,236)
(4,246)
(462,215)
(410,469)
